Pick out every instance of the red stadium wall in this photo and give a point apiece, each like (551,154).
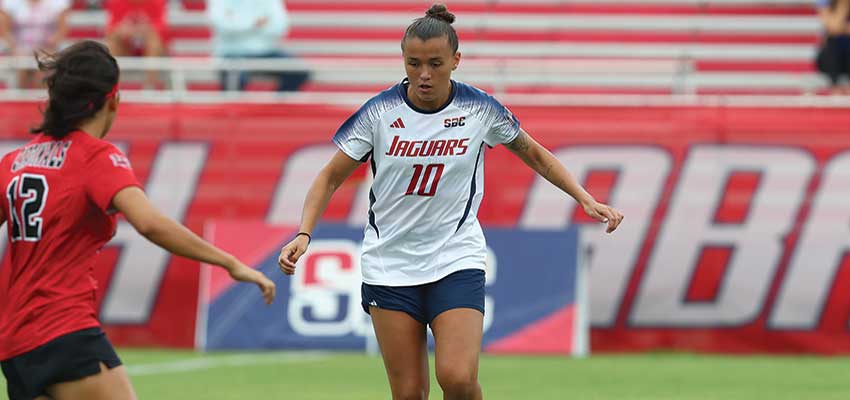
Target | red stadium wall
(735,239)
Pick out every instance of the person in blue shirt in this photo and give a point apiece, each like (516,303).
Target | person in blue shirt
(254,31)
(833,59)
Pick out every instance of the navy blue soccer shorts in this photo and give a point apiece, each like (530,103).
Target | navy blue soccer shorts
(461,289)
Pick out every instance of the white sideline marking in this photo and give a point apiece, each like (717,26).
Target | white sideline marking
(196,364)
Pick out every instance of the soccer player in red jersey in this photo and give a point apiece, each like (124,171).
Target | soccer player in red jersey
(62,192)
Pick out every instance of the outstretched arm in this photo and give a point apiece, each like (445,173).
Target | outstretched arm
(174,237)
(327,182)
(541,160)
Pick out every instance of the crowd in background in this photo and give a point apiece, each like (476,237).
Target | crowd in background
(138,28)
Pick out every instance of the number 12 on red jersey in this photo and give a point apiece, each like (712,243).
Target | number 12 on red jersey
(26,222)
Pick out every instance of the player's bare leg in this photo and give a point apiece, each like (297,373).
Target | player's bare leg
(153,48)
(109,384)
(457,334)
(400,337)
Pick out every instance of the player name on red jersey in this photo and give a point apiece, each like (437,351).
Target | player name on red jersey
(427,148)
(45,155)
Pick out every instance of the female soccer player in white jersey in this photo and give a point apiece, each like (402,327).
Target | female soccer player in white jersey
(424,251)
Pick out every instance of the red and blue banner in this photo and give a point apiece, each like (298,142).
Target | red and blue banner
(736,237)
(531,301)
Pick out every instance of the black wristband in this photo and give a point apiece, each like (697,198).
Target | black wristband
(309,238)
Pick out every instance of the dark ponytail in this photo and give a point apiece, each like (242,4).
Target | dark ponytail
(436,23)
(79,80)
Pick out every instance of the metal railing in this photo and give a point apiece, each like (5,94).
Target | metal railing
(498,74)
(675,75)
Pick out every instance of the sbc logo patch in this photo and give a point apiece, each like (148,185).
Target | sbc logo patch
(454,122)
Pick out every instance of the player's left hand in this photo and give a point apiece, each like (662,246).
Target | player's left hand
(605,214)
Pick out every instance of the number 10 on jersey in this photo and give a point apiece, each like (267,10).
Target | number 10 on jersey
(426,177)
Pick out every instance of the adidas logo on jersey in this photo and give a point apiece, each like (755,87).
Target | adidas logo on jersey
(397,124)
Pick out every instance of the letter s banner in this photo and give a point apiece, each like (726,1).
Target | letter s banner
(533,302)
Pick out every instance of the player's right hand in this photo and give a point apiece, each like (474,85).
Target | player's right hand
(290,253)
(244,273)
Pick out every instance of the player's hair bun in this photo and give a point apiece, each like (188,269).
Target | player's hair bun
(436,23)
(439,11)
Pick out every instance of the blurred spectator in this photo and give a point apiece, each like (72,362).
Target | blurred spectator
(241,31)
(30,25)
(93,4)
(833,59)
(137,28)
(6,35)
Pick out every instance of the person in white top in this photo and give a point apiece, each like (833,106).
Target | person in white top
(252,32)
(33,25)
(423,250)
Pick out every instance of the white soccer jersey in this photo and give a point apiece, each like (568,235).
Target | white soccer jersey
(428,181)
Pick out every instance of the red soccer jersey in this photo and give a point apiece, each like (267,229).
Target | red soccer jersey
(57,204)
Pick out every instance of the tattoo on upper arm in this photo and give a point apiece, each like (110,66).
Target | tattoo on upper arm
(520,143)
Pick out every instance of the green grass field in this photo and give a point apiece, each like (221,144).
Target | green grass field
(165,375)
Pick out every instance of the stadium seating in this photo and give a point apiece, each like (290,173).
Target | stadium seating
(646,47)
